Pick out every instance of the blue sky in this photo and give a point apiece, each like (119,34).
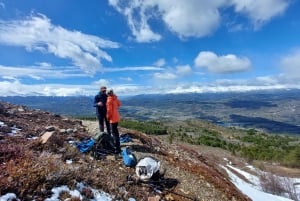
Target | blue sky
(72,47)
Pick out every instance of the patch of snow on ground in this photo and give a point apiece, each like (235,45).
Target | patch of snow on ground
(98,195)
(252,178)
(251,190)
(8,196)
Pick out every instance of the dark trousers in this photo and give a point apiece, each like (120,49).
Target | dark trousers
(102,119)
(115,133)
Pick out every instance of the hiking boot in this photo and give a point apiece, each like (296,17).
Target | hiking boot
(118,151)
(118,156)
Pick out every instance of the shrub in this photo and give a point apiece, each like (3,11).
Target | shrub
(271,183)
(151,127)
(278,186)
(293,158)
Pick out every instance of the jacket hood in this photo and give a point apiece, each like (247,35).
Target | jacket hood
(113,96)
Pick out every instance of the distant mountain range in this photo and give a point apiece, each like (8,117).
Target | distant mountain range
(272,111)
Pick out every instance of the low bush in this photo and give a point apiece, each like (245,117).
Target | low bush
(151,127)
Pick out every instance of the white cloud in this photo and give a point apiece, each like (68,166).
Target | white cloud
(46,70)
(170,73)
(15,87)
(44,64)
(128,79)
(291,64)
(40,72)
(37,33)
(165,76)
(183,70)
(137,19)
(161,62)
(222,64)
(260,12)
(267,80)
(12,86)
(129,89)
(216,87)
(133,68)
(101,82)
(257,82)
(192,18)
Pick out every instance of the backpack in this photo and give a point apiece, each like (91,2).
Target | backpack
(128,157)
(104,145)
(104,140)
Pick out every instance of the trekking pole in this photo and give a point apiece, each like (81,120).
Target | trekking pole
(154,185)
(171,191)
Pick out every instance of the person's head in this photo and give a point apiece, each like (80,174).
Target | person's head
(103,89)
(110,92)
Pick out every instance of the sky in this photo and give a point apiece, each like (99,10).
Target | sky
(67,48)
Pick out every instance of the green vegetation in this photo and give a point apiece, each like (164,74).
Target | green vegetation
(87,118)
(202,136)
(260,146)
(250,144)
(150,127)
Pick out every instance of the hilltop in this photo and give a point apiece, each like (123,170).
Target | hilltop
(31,168)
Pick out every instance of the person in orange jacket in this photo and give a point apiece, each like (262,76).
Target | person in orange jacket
(113,116)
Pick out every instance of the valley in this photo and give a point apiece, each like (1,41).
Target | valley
(269,111)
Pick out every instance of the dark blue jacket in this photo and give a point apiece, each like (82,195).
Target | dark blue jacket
(100,97)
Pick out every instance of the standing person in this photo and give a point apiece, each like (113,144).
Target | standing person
(100,104)
(113,116)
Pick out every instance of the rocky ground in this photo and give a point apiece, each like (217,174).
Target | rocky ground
(37,153)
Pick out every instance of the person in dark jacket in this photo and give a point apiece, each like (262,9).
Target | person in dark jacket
(100,104)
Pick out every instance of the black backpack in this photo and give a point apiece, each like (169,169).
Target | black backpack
(104,145)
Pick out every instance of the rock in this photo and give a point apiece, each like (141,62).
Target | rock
(169,197)
(45,137)
(50,128)
(21,109)
(154,198)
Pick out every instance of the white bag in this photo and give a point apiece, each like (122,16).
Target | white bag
(146,167)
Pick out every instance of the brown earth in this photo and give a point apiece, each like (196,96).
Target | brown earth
(30,168)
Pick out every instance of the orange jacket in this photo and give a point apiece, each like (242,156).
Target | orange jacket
(112,105)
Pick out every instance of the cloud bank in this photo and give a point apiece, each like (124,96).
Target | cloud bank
(222,64)
(192,18)
(36,33)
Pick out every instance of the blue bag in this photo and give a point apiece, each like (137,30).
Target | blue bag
(129,158)
(125,138)
(86,145)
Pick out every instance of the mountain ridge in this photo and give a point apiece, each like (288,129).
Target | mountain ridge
(279,108)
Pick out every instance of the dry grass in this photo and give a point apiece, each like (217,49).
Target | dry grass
(30,169)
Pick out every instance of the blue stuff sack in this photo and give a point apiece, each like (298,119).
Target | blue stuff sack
(129,158)
(125,138)
(86,145)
